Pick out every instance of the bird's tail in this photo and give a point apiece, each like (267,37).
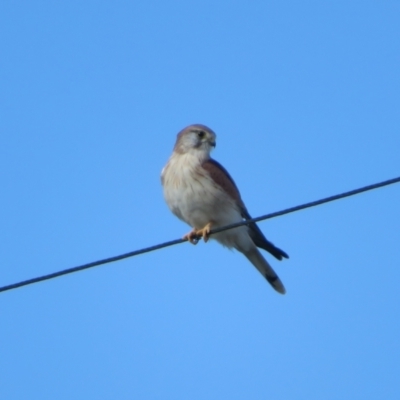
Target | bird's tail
(257,259)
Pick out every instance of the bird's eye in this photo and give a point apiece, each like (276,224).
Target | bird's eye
(201,134)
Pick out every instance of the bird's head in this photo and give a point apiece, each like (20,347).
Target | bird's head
(195,139)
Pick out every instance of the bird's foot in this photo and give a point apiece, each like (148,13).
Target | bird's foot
(192,237)
(196,234)
(205,232)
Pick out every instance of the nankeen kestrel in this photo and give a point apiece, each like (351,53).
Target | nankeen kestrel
(199,191)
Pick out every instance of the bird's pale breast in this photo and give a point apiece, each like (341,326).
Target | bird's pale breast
(193,196)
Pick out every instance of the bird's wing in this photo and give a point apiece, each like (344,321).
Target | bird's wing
(222,178)
(260,240)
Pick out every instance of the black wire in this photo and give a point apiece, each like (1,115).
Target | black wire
(178,241)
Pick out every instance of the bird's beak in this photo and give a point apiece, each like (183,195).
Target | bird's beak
(213,143)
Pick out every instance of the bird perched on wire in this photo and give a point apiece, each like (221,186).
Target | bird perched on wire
(200,191)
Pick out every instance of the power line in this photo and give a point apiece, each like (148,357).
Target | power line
(178,241)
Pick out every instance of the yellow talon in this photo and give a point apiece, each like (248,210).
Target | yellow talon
(192,237)
(205,232)
(195,234)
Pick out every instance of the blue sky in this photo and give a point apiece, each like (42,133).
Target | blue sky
(304,98)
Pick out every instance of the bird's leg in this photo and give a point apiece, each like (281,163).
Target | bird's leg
(192,236)
(205,232)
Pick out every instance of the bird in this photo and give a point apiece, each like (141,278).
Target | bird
(200,192)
